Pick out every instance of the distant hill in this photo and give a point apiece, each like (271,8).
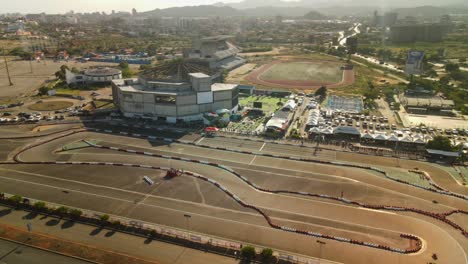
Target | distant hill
(293,9)
(208,10)
(247,4)
(430,11)
(314,15)
(194,11)
(270,11)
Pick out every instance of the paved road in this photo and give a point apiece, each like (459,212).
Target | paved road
(14,253)
(162,253)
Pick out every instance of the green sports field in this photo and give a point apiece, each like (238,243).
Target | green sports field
(319,71)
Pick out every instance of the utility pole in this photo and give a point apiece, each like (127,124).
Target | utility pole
(321,243)
(187,218)
(6,67)
(30,65)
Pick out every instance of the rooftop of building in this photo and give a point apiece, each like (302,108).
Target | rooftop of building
(222,87)
(177,70)
(102,71)
(216,38)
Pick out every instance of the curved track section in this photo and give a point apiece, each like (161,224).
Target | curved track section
(414,240)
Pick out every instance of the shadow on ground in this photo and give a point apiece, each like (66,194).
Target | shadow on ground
(30,216)
(5,212)
(96,231)
(68,224)
(52,222)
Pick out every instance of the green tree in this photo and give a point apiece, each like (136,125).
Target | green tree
(61,74)
(43,90)
(125,68)
(452,67)
(76,213)
(440,143)
(266,254)
(462,60)
(20,52)
(322,92)
(15,199)
(39,206)
(104,218)
(124,65)
(62,210)
(248,252)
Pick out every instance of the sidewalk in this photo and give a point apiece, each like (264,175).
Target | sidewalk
(105,245)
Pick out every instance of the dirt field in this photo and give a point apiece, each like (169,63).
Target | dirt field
(26,82)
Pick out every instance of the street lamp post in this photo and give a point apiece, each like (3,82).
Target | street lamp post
(321,243)
(187,218)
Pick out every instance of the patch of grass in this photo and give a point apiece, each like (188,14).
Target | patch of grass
(269,104)
(102,103)
(78,145)
(304,71)
(50,106)
(66,91)
(363,75)
(409,177)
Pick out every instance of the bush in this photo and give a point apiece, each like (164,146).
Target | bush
(39,205)
(267,253)
(15,199)
(104,218)
(43,90)
(62,210)
(75,213)
(248,252)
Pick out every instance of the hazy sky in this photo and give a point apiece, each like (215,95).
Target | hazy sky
(63,6)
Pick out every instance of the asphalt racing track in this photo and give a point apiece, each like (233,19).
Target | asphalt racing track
(260,195)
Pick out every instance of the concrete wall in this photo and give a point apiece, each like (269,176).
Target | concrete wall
(222,104)
(222,95)
(166,110)
(187,110)
(205,108)
(187,99)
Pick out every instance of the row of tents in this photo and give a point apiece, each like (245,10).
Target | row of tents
(397,137)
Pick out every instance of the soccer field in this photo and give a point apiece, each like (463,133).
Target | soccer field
(320,71)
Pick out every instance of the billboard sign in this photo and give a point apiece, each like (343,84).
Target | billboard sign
(414,62)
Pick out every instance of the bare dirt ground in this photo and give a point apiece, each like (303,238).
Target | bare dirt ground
(26,82)
(238,74)
(275,51)
(48,242)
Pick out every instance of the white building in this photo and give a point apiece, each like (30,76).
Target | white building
(94,75)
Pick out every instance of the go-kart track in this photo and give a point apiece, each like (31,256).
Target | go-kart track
(254,192)
(302,74)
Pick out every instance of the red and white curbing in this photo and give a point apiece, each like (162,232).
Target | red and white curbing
(237,199)
(441,217)
(437,188)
